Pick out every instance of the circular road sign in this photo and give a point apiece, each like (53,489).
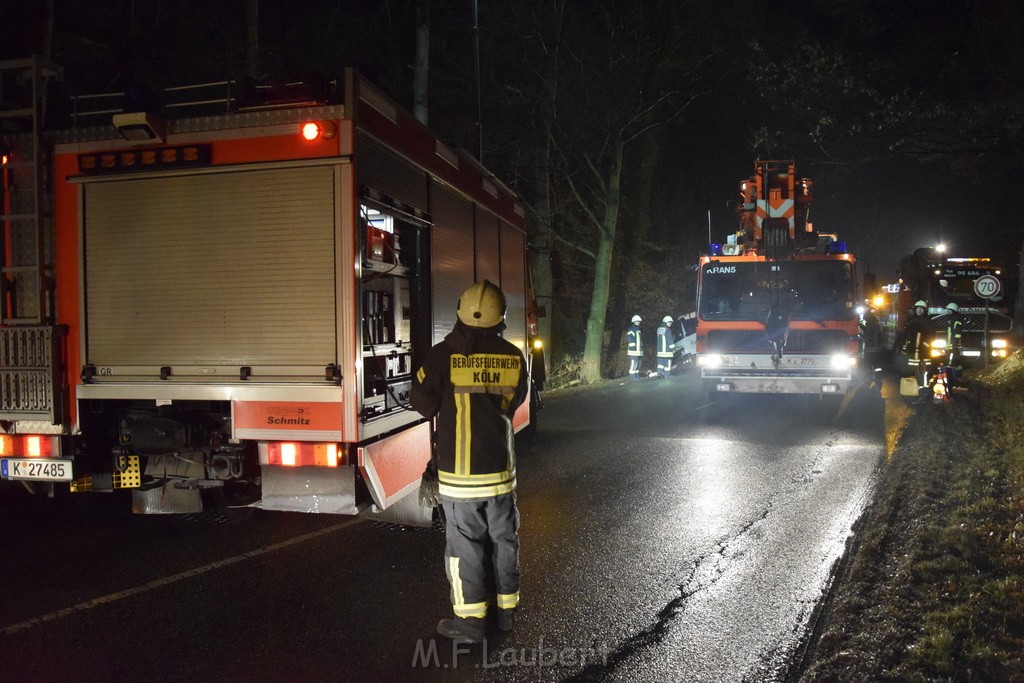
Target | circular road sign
(987,286)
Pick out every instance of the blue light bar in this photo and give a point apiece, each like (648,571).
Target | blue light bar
(715,249)
(837,248)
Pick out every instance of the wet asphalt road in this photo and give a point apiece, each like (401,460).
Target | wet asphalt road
(662,541)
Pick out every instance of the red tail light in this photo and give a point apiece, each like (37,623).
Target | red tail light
(298,454)
(29,446)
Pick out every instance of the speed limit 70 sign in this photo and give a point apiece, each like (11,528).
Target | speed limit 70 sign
(987,286)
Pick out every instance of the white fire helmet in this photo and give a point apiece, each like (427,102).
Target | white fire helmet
(667,320)
(921,304)
(952,306)
(637,319)
(482,305)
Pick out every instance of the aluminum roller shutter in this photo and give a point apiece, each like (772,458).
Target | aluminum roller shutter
(212,269)
(451,256)
(380,169)
(513,283)
(488,257)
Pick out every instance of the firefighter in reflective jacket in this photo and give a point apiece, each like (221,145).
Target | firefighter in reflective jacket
(634,347)
(953,326)
(472,382)
(666,347)
(913,340)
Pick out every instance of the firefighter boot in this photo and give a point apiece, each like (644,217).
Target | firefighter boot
(469,630)
(507,619)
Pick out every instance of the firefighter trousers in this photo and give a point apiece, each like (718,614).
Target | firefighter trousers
(481,556)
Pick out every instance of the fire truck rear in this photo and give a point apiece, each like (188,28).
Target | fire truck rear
(225,305)
(776,302)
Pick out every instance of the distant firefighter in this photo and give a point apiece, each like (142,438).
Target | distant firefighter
(666,347)
(635,347)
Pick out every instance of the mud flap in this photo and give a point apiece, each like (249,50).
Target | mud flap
(406,511)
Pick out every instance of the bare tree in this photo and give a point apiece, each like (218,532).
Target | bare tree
(594,81)
(632,70)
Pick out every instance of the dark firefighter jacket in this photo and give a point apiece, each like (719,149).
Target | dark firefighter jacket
(473,381)
(634,345)
(953,327)
(919,331)
(665,342)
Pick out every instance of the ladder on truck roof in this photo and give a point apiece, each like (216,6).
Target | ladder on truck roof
(28,334)
(24,212)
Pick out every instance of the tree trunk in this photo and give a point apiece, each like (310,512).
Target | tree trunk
(1018,309)
(592,351)
(419,85)
(540,266)
(636,227)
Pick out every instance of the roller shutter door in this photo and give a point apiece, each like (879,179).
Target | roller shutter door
(513,283)
(451,256)
(212,269)
(382,170)
(488,257)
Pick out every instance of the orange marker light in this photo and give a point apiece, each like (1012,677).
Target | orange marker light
(310,131)
(318,129)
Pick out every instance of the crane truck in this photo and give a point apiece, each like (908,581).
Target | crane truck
(776,302)
(222,297)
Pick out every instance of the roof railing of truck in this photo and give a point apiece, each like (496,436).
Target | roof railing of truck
(203,99)
(219,96)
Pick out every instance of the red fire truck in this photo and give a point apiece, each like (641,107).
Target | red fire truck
(776,302)
(939,280)
(224,298)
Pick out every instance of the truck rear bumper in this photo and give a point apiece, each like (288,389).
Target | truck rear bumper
(781,384)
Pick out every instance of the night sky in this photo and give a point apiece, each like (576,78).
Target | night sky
(886,201)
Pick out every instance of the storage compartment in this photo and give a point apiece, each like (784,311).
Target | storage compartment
(392,296)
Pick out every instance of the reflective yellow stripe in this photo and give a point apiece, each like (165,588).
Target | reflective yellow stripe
(477,479)
(463,435)
(476,610)
(455,580)
(420,376)
(508,600)
(476,491)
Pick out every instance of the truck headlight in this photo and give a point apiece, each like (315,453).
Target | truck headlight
(843,361)
(998,343)
(939,344)
(709,360)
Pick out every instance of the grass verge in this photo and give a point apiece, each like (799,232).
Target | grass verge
(934,589)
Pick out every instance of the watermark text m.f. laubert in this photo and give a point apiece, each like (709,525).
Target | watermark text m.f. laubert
(427,655)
